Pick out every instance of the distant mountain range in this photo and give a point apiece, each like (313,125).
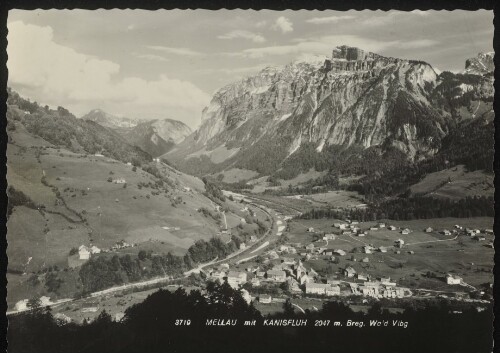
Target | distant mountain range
(153,136)
(284,121)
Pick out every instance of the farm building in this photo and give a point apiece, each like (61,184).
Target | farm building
(399,243)
(265,299)
(392,228)
(339,252)
(451,279)
(83,252)
(310,230)
(382,249)
(349,272)
(405,231)
(310,246)
(332,290)
(119,181)
(381,225)
(445,232)
(329,236)
(95,250)
(365,260)
(429,230)
(373,228)
(253,239)
(367,249)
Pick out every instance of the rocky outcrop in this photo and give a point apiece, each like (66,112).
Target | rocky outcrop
(480,65)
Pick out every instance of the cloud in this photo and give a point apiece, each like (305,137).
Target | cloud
(323,46)
(152,57)
(176,51)
(261,24)
(327,20)
(283,24)
(418,43)
(254,37)
(53,74)
(420,12)
(237,70)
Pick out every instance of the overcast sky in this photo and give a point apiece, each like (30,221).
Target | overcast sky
(168,63)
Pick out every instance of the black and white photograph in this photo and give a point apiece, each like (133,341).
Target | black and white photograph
(250,181)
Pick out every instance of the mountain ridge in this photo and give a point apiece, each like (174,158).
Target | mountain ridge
(354,99)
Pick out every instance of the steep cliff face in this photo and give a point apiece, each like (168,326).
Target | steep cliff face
(352,99)
(481,64)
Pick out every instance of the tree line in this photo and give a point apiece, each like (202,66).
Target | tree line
(153,326)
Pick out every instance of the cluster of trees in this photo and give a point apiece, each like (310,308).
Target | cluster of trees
(203,251)
(18,198)
(412,208)
(212,191)
(153,326)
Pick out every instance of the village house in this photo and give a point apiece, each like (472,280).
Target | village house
(405,231)
(288,261)
(362,234)
(119,181)
(373,228)
(273,255)
(95,250)
(243,246)
(333,281)
(329,236)
(310,230)
(310,247)
(458,226)
(343,226)
(255,282)
(217,276)
(362,277)
(83,252)
(328,252)
(304,278)
(488,231)
(382,249)
(293,285)
(339,252)
(429,230)
(316,288)
(276,275)
(265,299)
(260,273)
(399,243)
(354,222)
(392,228)
(349,272)
(385,280)
(365,260)
(283,248)
(445,232)
(367,249)
(253,239)
(236,278)
(346,232)
(381,225)
(332,290)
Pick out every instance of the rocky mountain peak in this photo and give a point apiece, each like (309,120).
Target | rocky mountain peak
(481,64)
